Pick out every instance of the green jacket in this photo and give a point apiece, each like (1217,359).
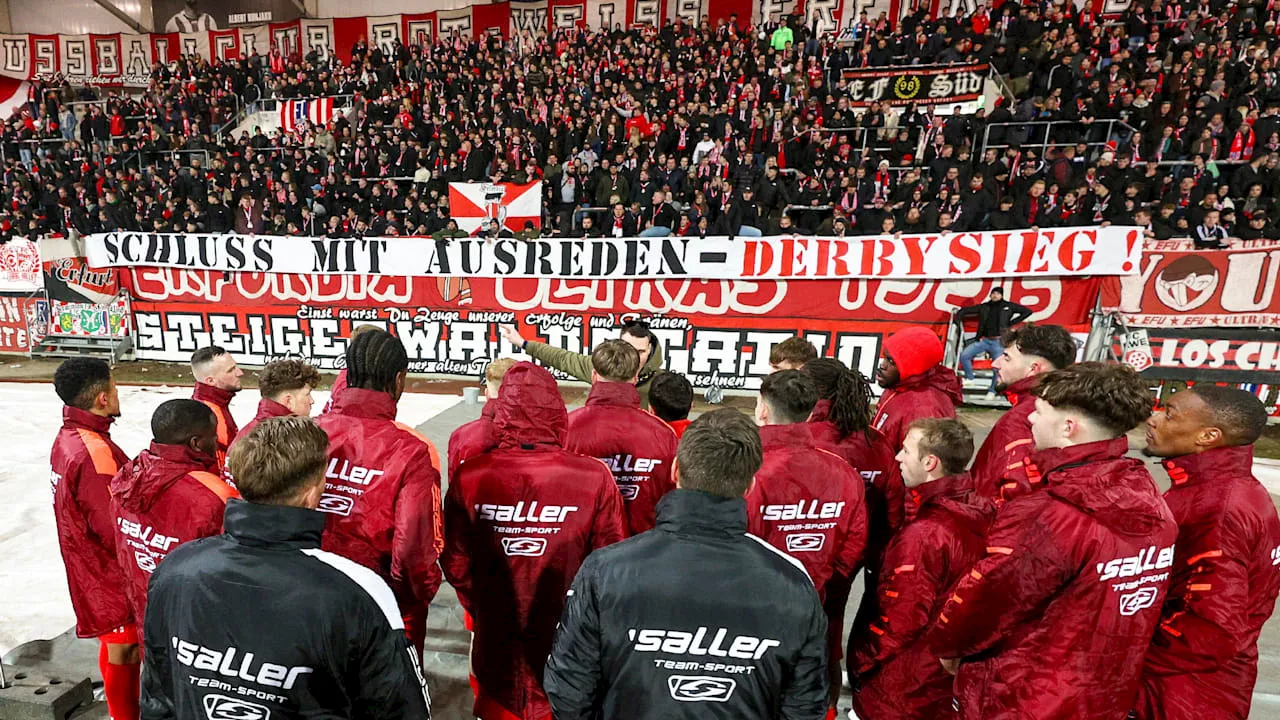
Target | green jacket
(781,37)
(579,365)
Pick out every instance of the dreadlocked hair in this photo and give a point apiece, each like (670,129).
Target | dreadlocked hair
(374,359)
(848,392)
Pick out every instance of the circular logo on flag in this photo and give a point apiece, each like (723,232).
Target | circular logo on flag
(1138,360)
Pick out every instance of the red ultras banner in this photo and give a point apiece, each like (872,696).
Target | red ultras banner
(1182,287)
(718,332)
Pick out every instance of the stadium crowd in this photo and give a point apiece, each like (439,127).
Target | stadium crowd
(1167,117)
(621,562)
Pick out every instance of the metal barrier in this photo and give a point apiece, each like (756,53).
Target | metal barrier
(1049,141)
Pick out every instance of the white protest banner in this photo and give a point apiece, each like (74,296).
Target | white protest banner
(1055,252)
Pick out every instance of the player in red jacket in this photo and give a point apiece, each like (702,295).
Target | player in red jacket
(286,387)
(169,495)
(638,447)
(891,670)
(915,382)
(83,461)
(1029,352)
(478,436)
(841,423)
(808,502)
(1203,661)
(383,482)
(671,400)
(217,381)
(519,520)
(1054,620)
(340,382)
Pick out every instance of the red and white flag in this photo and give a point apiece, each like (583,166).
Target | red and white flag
(316,111)
(512,205)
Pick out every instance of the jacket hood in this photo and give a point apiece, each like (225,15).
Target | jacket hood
(140,482)
(915,350)
(956,495)
(74,417)
(1020,391)
(268,408)
(614,394)
(530,411)
(821,411)
(365,404)
(1101,482)
(208,393)
(1223,464)
(699,513)
(937,377)
(795,435)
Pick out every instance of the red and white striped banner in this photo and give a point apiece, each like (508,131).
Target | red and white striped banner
(295,113)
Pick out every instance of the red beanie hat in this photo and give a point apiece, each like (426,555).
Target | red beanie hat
(914,350)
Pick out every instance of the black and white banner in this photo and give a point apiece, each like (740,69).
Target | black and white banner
(1110,250)
(937,85)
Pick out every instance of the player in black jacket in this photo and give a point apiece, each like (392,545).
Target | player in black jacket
(695,618)
(259,622)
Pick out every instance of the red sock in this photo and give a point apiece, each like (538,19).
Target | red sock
(122,686)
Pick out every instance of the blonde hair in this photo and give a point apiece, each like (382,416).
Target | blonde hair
(279,459)
(496,370)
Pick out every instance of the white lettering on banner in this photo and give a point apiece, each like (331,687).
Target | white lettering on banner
(1059,251)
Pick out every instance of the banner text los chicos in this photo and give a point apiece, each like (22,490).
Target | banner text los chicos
(1112,250)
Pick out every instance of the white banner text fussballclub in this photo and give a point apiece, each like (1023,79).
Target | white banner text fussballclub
(1055,252)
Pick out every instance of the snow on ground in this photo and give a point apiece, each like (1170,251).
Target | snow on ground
(34,602)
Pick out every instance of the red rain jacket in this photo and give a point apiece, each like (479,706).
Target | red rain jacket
(933,393)
(167,496)
(1203,661)
(339,384)
(266,409)
(1053,622)
(520,519)
(869,453)
(808,503)
(894,673)
(999,460)
(219,401)
(83,461)
(473,438)
(637,447)
(382,494)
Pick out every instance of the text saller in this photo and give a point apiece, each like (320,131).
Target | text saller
(1152,558)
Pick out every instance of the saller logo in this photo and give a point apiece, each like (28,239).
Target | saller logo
(230,663)
(629,491)
(522,513)
(680,642)
(336,504)
(1152,558)
(221,707)
(803,510)
(524,547)
(351,473)
(806,542)
(700,688)
(1132,603)
(628,463)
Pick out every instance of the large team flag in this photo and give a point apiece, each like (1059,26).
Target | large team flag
(316,111)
